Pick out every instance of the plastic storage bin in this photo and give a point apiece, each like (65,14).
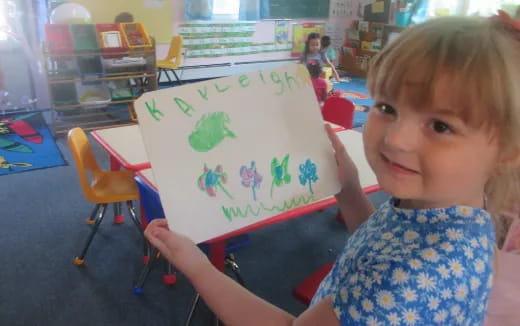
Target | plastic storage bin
(109,35)
(90,66)
(93,95)
(58,38)
(64,94)
(135,35)
(124,65)
(84,37)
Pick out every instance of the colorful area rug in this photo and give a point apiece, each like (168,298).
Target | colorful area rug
(356,91)
(26,144)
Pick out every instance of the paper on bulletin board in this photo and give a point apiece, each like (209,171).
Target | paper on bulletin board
(153,3)
(231,152)
(281,32)
(300,32)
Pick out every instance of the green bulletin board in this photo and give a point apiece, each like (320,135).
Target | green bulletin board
(280,9)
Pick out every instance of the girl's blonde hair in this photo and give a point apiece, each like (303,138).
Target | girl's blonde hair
(481,58)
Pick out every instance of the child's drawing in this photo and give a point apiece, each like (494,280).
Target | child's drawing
(308,174)
(280,172)
(251,178)
(209,131)
(210,181)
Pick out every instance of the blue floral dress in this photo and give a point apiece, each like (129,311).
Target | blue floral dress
(414,267)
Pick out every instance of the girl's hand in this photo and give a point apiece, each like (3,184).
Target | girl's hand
(347,171)
(177,248)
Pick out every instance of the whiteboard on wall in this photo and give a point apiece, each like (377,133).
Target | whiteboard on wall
(230,152)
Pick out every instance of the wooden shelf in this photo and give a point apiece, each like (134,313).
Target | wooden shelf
(106,77)
(95,116)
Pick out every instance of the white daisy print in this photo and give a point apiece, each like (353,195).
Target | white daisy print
(480,220)
(433,303)
(465,211)
(388,235)
(410,236)
(394,319)
(422,219)
(354,313)
(443,216)
(459,319)
(409,295)
(456,268)
(454,234)
(425,282)
(354,278)
(399,276)
(446,294)
(446,246)
(372,321)
(385,299)
(415,263)
(433,238)
(455,310)
(343,293)
(378,245)
(461,292)
(356,291)
(473,242)
(410,317)
(367,305)
(430,254)
(468,252)
(479,266)
(474,283)
(382,266)
(440,316)
(484,242)
(443,271)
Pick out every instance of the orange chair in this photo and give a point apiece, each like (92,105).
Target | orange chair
(338,110)
(103,188)
(172,60)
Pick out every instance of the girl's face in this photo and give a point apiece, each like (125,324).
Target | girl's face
(428,158)
(314,45)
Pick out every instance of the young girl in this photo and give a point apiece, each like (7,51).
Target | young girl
(313,52)
(319,84)
(444,141)
(326,48)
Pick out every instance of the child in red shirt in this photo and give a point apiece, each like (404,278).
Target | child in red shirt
(319,84)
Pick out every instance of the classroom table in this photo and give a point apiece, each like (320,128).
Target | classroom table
(126,148)
(354,143)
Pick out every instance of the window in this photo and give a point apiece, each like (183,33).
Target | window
(226,9)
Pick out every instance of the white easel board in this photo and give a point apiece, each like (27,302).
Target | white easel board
(230,152)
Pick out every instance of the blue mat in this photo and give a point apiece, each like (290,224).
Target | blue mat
(27,144)
(356,85)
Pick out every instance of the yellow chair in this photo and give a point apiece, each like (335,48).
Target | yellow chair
(100,187)
(172,60)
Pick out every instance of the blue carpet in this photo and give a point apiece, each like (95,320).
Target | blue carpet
(26,144)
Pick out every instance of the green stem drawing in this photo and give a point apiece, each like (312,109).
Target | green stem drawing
(224,190)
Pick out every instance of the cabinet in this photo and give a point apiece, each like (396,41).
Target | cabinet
(91,86)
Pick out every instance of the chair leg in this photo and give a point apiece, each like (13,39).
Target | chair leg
(170,81)
(177,77)
(134,218)
(79,260)
(193,308)
(159,72)
(230,261)
(118,216)
(138,286)
(92,217)
(171,276)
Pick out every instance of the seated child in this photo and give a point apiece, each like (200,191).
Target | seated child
(319,84)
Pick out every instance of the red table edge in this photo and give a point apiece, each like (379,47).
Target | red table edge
(113,153)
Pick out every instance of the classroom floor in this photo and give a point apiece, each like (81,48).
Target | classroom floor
(43,226)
